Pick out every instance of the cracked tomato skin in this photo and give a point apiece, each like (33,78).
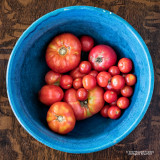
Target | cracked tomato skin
(63,53)
(60,118)
(87,108)
(102,57)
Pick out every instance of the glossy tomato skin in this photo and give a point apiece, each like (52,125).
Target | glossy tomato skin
(61,118)
(93,73)
(89,82)
(118,82)
(123,102)
(53,78)
(63,53)
(82,94)
(102,57)
(50,94)
(103,78)
(77,83)
(66,81)
(130,79)
(87,43)
(114,112)
(127,91)
(110,96)
(114,70)
(104,111)
(125,65)
(76,73)
(87,108)
(85,67)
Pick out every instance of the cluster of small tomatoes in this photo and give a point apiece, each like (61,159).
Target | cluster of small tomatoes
(76,90)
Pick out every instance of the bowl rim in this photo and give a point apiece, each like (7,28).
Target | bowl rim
(149,95)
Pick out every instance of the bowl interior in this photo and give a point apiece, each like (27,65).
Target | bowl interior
(27,69)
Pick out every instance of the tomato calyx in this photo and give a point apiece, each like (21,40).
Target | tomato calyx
(62,51)
(84,103)
(60,118)
(99,59)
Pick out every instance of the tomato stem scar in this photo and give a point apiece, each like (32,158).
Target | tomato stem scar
(62,51)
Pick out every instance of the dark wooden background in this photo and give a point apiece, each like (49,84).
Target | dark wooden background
(15,17)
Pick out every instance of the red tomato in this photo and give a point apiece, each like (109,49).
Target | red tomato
(114,70)
(82,94)
(87,43)
(50,94)
(66,81)
(118,82)
(109,87)
(77,83)
(130,79)
(110,96)
(76,73)
(85,67)
(93,73)
(103,78)
(89,82)
(125,65)
(104,111)
(114,112)
(60,118)
(63,53)
(113,103)
(127,91)
(102,57)
(53,78)
(87,108)
(123,102)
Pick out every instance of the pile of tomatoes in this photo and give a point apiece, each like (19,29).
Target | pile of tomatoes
(76,90)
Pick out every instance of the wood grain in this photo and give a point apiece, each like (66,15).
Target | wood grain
(15,18)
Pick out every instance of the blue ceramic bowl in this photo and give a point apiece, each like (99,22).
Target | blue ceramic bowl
(27,68)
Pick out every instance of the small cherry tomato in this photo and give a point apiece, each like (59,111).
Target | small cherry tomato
(109,87)
(130,79)
(127,91)
(114,112)
(77,83)
(93,73)
(125,65)
(50,94)
(118,82)
(53,78)
(104,111)
(61,118)
(87,43)
(110,96)
(76,73)
(82,94)
(114,70)
(123,102)
(103,78)
(85,67)
(66,81)
(89,82)
(113,103)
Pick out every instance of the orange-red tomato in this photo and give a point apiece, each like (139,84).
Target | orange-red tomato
(66,81)
(114,112)
(53,78)
(127,91)
(104,111)
(50,94)
(117,82)
(125,65)
(130,79)
(123,102)
(89,82)
(76,73)
(87,108)
(63,53)
(77,83)
(85,67)
(82,94)
(103,78)
(60,118)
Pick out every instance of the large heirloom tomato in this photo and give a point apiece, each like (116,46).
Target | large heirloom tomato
(63,53)
(60,118)
(87,108)
(102,57)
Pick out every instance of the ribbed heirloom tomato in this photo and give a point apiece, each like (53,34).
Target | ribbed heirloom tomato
(63,53)
(60,118)
(87,108)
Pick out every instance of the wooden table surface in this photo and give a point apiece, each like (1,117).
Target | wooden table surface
(16,143)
